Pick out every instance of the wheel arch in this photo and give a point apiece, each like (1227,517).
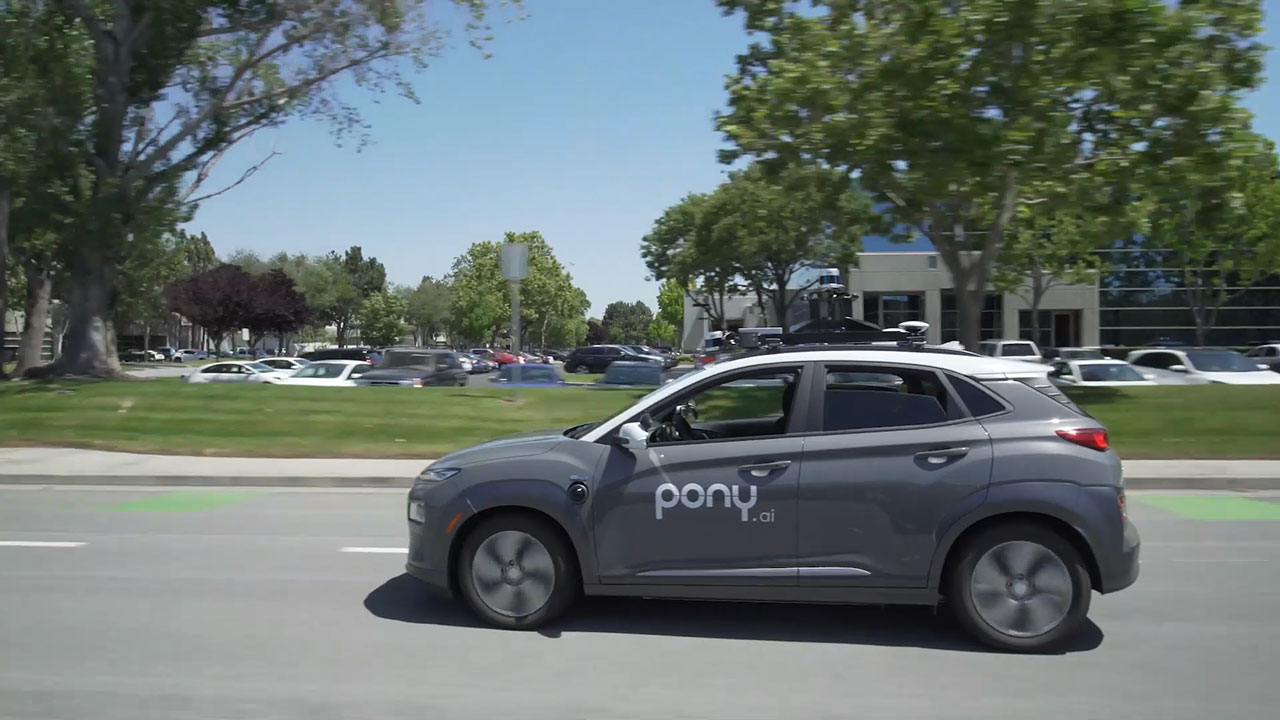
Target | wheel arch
(1054,509)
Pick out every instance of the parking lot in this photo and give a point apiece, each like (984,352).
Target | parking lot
(292,604)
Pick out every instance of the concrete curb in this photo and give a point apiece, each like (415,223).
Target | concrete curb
(1131,483)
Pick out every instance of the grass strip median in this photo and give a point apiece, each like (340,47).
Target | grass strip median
(167,416)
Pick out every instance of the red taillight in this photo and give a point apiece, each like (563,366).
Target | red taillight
(1092,438)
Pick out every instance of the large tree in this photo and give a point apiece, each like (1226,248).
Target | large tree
(683,246)
(179,82)
(382,319)
(277,308)
(336,287)
(627,322)
(954,114)
(219,300)
(427,308)
(670,312)
(1216,220)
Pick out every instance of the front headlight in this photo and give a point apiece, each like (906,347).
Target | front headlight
(435,474)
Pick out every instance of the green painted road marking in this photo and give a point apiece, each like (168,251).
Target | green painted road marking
(183,502)
(1212,507)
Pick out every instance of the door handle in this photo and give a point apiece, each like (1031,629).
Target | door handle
(938,457)
(763,469)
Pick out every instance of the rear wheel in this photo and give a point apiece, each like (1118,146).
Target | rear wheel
(1020,587)
(517,571)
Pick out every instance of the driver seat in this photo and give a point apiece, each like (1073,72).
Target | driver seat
(788,396)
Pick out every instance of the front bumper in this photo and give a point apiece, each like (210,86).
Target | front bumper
(424,561)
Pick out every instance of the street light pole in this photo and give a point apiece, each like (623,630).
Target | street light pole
(515,267)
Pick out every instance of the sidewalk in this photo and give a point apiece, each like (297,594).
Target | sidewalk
(62,466)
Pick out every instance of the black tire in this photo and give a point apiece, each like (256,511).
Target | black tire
(960,583)
(566,586)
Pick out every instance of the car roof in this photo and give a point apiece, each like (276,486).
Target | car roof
(965,363)
(634,363)
(341,361)
(1095,361)
(530,365)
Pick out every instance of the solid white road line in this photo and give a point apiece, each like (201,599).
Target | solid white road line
(386,550)
(37,543)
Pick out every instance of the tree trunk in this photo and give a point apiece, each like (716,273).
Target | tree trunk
(969,313)
(5,200)
(39,292)
(146,336)
(90,347)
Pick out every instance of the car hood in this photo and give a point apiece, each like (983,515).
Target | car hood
(404,373)
(1261,377)
(521,445)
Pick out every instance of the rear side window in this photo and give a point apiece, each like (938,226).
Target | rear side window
(979,401)
(864,398)
(1041,383)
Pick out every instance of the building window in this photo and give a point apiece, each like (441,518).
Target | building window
(992,327)
(889,309)
(1141,301)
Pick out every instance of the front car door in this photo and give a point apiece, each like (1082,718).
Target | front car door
(895,457)
(712,499)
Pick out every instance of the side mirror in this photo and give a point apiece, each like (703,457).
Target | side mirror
(1178,368)
(634,436)
(1055,373)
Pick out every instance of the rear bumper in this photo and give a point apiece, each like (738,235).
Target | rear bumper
(1122,571)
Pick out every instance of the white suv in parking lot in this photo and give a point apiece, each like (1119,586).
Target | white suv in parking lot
(1201,366)
(1024,350)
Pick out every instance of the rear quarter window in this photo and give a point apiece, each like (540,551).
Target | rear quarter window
(979,402)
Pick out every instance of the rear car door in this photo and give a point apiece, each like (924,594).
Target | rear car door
(715,507)
(893,459)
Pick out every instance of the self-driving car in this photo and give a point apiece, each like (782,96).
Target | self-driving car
(814,474)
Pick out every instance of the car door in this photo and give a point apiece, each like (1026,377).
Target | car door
(893,457)
(212,373)
(707,510)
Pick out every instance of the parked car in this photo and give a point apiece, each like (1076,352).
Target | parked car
(497,357)
(597,358)
(530,375)
(190,354)
(668,361)
(167,353)
(329,373)
(1098,373)
(415,367)
(633,373)
(1165,342)
(1268,355)
(348,353)
(133,356)
(555,355)
(478,365)
(288,364)
(236,372)
(1023,350)
(1074,353)
(1201,366)
(718,489)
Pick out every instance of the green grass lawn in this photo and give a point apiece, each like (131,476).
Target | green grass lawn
(167,416)
(1206,421)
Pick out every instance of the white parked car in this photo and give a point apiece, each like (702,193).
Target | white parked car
(1199,366)
(1077,353)
(287,364)
(329,373)
(1098,373)
(236,372)
(1024,350)
(1268,355)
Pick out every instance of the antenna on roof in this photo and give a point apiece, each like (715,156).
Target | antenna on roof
(915,333)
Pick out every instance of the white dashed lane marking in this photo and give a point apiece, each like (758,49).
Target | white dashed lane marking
(386,550)
(40,544)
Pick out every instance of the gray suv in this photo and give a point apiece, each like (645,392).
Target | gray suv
(829,475)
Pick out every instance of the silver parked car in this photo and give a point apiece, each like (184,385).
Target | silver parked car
(871,475)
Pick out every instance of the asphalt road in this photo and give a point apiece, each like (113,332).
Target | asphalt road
(243,604)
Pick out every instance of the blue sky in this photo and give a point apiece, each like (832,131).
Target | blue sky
(589,119)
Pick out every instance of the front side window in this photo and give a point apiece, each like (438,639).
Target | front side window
(260,368)
(321,371)
(358,370)
(212,369)
(1062,369)
(750,405)
(880,398)
(1158,360)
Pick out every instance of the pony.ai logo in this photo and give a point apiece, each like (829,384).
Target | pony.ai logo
(693,495)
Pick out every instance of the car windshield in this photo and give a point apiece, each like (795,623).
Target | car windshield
(618,374)
(406,359)
(321,370)
(1108,372)
(1018,350)
(529,374)
(259,367)
(1081,354)
(1220,361)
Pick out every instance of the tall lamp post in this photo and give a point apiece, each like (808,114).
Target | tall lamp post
(515,267)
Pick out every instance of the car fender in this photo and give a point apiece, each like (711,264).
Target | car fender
(549,498)
(1057,499)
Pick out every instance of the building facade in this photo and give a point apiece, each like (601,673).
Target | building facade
(893,287)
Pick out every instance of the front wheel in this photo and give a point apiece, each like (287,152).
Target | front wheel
(1020,587)
(517,571)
